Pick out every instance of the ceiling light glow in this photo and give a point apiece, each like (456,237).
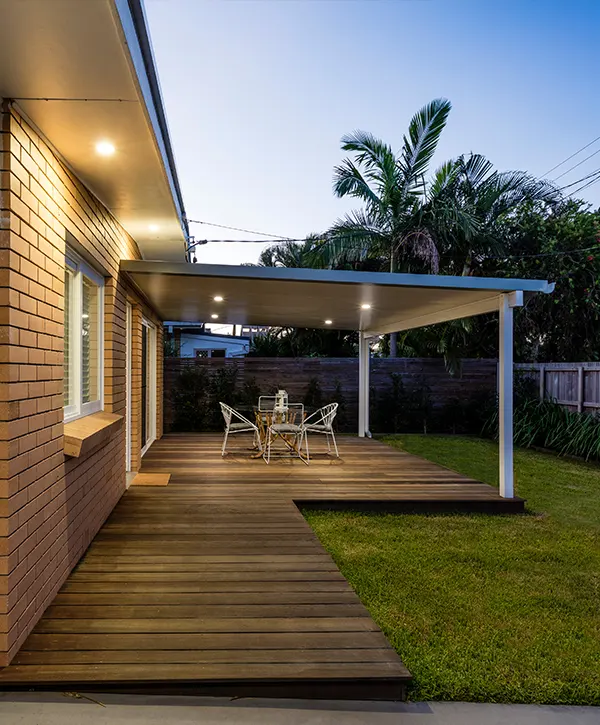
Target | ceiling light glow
(215,316)
(366,306)
(218,298)
(153,227)
(105,148)
(328,322)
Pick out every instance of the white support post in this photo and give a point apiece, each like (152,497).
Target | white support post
(505,391)
(363,385)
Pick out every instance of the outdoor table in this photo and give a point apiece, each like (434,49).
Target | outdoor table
(265,418)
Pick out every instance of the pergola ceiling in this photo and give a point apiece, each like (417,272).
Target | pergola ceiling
(307,297)
(78,71)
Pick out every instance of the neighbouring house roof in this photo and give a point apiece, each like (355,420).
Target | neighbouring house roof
(188,329)
(280,296)
(83,72)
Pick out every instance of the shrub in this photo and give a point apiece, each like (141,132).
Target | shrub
(189,399)
(221,389)
(342,412)
(467,415)
(546,424)
(397,409)
(313,398)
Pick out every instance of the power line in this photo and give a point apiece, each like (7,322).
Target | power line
(593,173)
(366,248)
(238,229)
(564,173)
(586,186)
(583,148)
(546,254)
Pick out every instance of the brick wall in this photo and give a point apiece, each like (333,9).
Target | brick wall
(52,506)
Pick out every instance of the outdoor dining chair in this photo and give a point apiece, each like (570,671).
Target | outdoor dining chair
(236,423)
(321,421)
(290,429)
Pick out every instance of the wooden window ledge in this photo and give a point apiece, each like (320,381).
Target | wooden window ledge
(91,431)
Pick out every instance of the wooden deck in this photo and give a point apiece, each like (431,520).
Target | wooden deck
(216,584)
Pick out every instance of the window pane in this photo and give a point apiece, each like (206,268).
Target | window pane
(90,337)
(68,381)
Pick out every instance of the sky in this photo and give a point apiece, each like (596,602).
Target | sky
(258,94)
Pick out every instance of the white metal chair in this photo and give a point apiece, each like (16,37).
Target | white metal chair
(289,426)
(266,405)
(321,421)
(236,423)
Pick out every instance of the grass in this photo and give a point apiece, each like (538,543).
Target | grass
(485,608)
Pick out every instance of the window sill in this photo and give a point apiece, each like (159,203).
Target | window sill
(91,431)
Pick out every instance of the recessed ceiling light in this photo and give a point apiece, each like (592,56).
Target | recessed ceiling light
(218,298)
(366,306)
(105,148)
(215,317)
(153,227)
(328,322)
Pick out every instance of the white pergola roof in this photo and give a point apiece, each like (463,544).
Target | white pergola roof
(286,297)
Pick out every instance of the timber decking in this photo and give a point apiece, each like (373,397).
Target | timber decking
(216,584)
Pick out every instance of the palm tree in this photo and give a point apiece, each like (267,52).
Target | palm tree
(412,220)
(488,197)
(291,254)
(394,225)
(411,223)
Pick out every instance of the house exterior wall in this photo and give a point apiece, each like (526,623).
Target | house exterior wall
(233,346)
(51,506)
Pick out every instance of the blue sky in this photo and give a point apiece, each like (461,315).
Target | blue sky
(259,92)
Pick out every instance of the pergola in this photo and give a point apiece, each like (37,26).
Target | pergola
(373,303)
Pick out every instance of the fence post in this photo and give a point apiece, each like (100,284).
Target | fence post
(542,382)
(580,389)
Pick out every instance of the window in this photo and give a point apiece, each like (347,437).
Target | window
(216,352)
(83,338)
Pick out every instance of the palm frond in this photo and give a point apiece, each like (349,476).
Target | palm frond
(348,181)
(422,245)
(352,240)
(377,160)
(420,144)
(370,151)
(475,169)
(443,179)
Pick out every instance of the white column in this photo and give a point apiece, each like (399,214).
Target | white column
(505,397)
(363,384)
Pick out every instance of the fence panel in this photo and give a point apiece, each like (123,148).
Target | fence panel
(574,385)
(295,375)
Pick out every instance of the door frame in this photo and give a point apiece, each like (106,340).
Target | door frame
(128,358)
(151,413)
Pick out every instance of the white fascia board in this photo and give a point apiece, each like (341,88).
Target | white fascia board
(496,285)
(128,28)
(480,307)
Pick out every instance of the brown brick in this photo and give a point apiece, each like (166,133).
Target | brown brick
(55,505)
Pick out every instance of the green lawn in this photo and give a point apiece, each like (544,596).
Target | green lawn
(485,608)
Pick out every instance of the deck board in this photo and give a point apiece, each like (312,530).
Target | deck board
(216,583)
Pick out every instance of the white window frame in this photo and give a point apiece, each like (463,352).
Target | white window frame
(80,268)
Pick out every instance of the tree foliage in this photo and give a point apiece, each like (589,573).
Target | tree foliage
(463,218)
(304,342)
